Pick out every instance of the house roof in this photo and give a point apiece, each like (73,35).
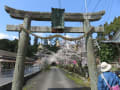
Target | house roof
(11,55)
(116,38)
(7,53)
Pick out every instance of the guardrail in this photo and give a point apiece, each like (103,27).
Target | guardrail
(7,85)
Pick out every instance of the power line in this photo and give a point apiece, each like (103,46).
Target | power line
(89,3)
(59,4)
(105,6)
(108,10)
(97,4)
(109,14)
(82,8)
(86,9)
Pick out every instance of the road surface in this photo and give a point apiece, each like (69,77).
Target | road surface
(54,79)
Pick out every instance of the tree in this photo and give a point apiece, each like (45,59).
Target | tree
(35,41)
(9,45)
(108,52)
(35,45)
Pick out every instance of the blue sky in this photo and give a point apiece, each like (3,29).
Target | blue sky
(111,7)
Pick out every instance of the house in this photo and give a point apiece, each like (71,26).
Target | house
(8,59)
(115,39)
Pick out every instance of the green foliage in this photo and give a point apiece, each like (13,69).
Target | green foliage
(32,49)
(35,41)
(9,45)
(47,67)
(107,52)
(52,48)
(77,79)
(110,29)
(12,46)
(29,52)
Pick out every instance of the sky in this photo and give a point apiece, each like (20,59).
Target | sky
(111,8)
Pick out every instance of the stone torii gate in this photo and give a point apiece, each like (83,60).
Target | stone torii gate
(27,16)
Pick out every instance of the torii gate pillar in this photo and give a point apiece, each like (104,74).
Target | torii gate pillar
(21,53)
(90,57)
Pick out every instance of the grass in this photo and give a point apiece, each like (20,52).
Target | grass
(78,79)
(27,87)
(47,68)
(114,69)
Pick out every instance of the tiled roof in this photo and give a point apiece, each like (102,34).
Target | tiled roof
(116,38)
(7,53)
(11,55)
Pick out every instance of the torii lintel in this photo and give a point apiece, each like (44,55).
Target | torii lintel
(46,16)
(45,29)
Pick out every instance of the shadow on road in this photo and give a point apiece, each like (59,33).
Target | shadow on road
(82,88)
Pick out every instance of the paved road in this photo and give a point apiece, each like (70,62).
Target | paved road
(53,79)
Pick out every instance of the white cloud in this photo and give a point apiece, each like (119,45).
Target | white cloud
(68,36)
(6,36)
(14,37)
(39,34)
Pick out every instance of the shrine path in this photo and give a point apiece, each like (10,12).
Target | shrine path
(54,79)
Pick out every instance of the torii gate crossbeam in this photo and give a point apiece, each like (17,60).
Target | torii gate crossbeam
(45,16)
(45,29)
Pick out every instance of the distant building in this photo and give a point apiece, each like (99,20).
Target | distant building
(115,39)
(8,59)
